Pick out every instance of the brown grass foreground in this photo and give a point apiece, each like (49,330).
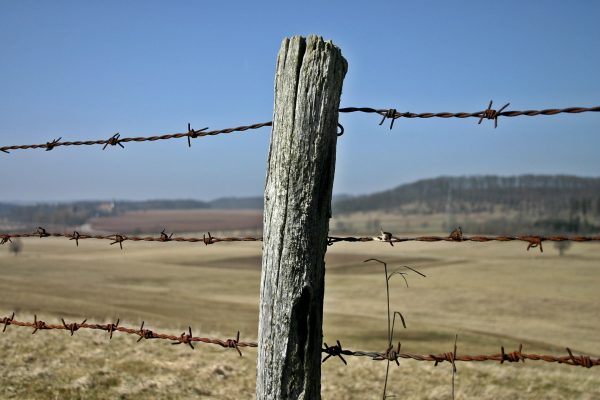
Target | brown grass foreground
(490,294)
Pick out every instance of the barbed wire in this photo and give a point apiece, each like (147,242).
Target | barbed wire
(392,113)
(330,351)
(488,113)
(457,236)
(119,239)
(452,357)
(116,139)
(386,237)
(110,328)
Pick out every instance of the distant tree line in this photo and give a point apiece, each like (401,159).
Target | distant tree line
(69,214)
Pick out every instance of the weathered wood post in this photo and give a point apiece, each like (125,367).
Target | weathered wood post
(308,85)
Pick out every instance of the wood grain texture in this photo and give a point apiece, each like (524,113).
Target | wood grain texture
(300,173)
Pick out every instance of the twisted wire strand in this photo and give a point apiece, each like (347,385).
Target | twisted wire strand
(393,114)
(533,240)
(330,351)
(115,140)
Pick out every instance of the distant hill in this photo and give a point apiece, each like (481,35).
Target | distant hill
(536,193)
(542,203)
(76,213)
(237,203)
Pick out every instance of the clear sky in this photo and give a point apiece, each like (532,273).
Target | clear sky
(83,70)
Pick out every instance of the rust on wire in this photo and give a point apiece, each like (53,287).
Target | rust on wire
(142,333)
(118,239)
(37,325)
(534,241)
(514,356)
(5,239)
(490,113)
(452,357)
(165,237)
(233,343)
(7,321)
(456,235)
(72,327)
(386,237)
(584,361)
(110,328)
(185,339)
(329,351)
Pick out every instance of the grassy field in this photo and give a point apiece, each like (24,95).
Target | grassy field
(489,294)
(202,220)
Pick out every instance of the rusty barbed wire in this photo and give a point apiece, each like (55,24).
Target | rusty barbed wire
(393,114)
(451,357)
(488,113)
(330,351)
(119,239)
(117,140)
(534,241)
(110,328)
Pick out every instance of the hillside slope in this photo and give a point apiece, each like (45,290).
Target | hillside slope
(528,193)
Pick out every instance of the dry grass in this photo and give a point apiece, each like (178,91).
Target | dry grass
(154,221)
(490,294)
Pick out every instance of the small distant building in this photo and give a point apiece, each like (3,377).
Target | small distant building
(106,207)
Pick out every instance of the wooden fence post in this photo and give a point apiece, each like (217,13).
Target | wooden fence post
(301,166)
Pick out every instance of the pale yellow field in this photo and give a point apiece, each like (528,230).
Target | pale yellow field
(489,294)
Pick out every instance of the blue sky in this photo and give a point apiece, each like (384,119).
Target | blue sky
(79,70)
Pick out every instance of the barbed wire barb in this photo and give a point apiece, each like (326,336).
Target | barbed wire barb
(114,141)
(76,235)
(391,114)
(192,134)
(186,339)
(490,113)
(333,351)
(119,239)
(52,144)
